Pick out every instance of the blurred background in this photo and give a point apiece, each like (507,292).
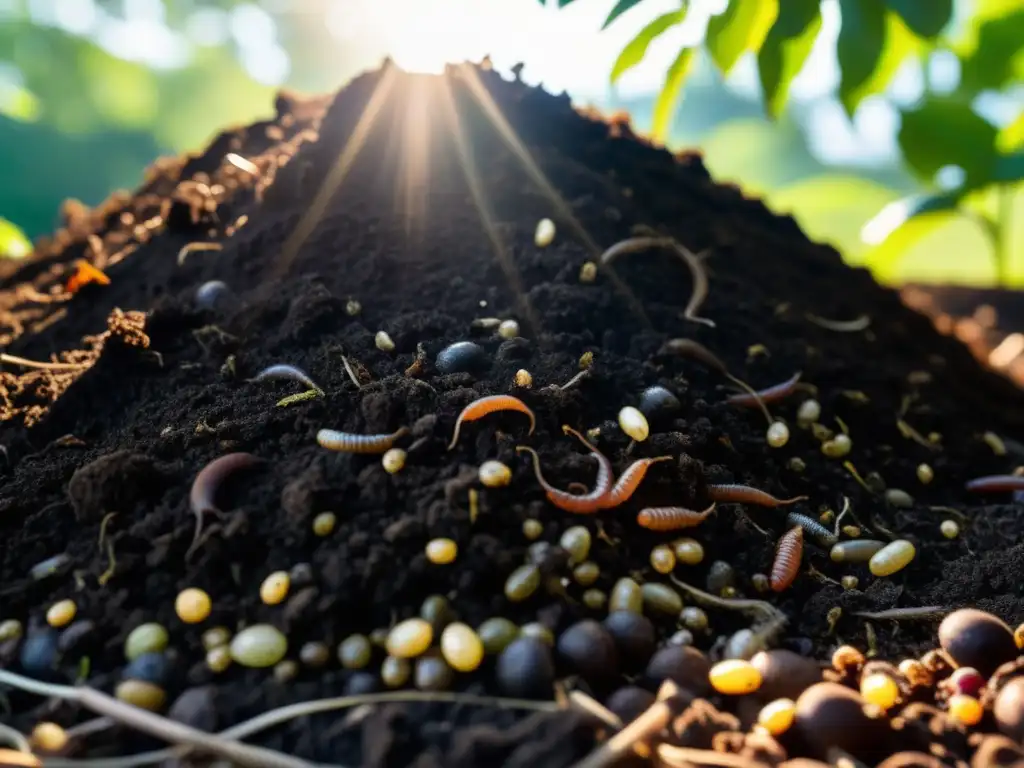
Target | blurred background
(892,129)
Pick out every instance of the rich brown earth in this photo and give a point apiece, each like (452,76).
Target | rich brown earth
(403,236)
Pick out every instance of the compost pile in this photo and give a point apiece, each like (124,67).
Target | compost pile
(356,238)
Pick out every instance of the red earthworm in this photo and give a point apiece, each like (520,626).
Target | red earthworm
(744,494)
(205,486)
(700,353)
(485,405)
(580,505)
(605,473)
(787,559)
(629,481)
(996,484)
(769,395)
(348,442)
(283,371)
(671,518)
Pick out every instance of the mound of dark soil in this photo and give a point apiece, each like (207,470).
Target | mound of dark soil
(99,457)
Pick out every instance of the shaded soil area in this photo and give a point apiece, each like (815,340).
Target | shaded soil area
(426,249)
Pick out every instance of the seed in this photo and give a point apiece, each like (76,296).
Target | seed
(777,435)
(323,524)
(438,611)
(10,629)
(760,582)
(629,702)
(538,631)
(660,598)
(925,474)
(61,613)
(634,636)
(141,694)
(626,596)
(735,677)
(523,379)
(258,646)
(274,588)
(314,654)
(586,573)
(634,423)
(880,689)
(821,432)
(838,446)
(495,634)
(49,737)
(659,403)
(525,669)
(784,674)
(849,582)
(729,592)
(586,360)
(694,619)
(893,557)
(682,664)
(858,551)
(379,637)
(442,551)
(846,657)
(192,605)
(576,541)
(544,234)
(688,551)
(522,583)
(461,647)
(353,308)
(993,441)
(145,638)
(1018,635)
(595,599)
(395,671)
(968,681)
(532,529)
(977,639)
(509,329)
(663,559)
(588,272)
(384,342)
(393,460)
(808,412)
(796,464)
(410,638)
(1008,709)
(897,498)
(949,528)
(432,674)
(461,357)
(589,649)
(218,659)
(915,672)
(965,709)
(853,531)
(301,575)
(355,651)
(777,717)
(720,576)
(680,637)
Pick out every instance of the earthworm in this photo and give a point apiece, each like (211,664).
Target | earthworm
(605,473)
(842,326)
(284,371)
(205,486)
(995,484)
(787,559)
(769,395)
(349,442)
(744,494)
(692,261)
(580,505)
(700,353)
(922,612)
(629,481)
(812,527)
(671,518)
(485,405)
(197,246)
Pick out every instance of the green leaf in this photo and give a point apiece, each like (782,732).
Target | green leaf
(1009,168)
(742,27)
(668,98)
(902,224)
(997,56)
(945,131)
(872,44)
(620,8)
(785,50)
(13,243)
(636,48)
(925,18)
(563,3)
(1012,136)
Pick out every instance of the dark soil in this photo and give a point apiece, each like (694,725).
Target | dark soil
(403,237)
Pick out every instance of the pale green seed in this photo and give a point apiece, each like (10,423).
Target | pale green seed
(626,596)
(659,598)
(576,541)
(355,651)
(259,646)
(395,672)
(522,583)
(141,694)
(496,633)
(538,631)
(145,638)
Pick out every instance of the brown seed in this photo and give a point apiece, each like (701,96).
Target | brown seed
(784,674)
(629,702)
(977,639)
(589,649)
(1009,709)
(829,715)
(682,664)
(634,636)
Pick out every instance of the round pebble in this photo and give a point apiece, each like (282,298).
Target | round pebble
(438,611)
(634,636)
(410,638)
(355,652)
(192,605)
(589,649)
(461,357)
(442,551)
(149,667)
(258,646)
(977,639)
(145,638)
(141,694)
(526,670)
(735,677)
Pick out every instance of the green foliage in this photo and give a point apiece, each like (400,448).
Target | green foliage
(872,44)
(636,48)
(993,57)
(945,131)
(667,101)
(925,19)
(620,8)
(741,28)
(13,243)
(785,50)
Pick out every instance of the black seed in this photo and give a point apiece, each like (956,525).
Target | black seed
(515,349)
(829,715)
(149,668)
(196,707)
(1009,709)
(76,637)
(362,683)
(657,403)
(461,357)
(549,558)
(977,639)
(784,674)
(526,670)
(629,701)
(634,636)
(39,653)
(590,650)
(682,664)
(432,674)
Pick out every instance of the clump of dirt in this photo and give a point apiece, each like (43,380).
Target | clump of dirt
(399,206)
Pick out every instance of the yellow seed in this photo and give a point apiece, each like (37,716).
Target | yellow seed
(949,528)
(61,613)
(384,342)
(880,689)
(192,605)
(934,438)
(141,694)
(694,618)
(827,516)
(461,647)
(853,531)
(494,474)
(258,646)
(849,582)
(509,329)
(323,524)
(49,737)
(595,599)
(13,758)
(893,557)
(393,460)
(925,474)
(215,637)
(538,631)
(626,596)
(777,717)
(995,442)
(915,672)
(688,551)
(274,588)
(588,272)
(1018,635)
(353,308)
(735,677)
(586,573)
(586,360)
(965,709)
(837,447)
(576,541)
(777,435)
(395,672)
(821,432)
(808,412)
(634,423)
(410,638)
(145,638)
(523,378)
(545,233)
(442,551)
(663,559)
(532,529)
(218,659)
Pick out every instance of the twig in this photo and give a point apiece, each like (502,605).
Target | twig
(5,358)
(15,738)
(921,613)
(687,757)
(643,728)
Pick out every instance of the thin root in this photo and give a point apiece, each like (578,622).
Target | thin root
(43,366)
